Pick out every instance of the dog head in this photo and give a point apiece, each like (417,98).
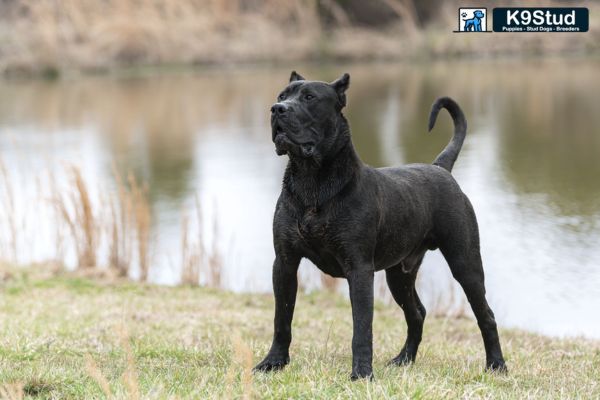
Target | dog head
(478,14)
(307,117)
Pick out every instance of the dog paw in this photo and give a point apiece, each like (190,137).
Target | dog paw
(362,373)
(496,366)
(402,359)
(271,363)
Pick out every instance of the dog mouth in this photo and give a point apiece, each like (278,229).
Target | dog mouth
(284,143)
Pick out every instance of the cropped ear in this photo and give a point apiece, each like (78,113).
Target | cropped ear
(296,77)
(340,86)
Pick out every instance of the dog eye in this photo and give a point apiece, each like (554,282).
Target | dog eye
(281,97)
(309,97)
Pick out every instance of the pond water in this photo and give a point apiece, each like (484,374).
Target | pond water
(530,165)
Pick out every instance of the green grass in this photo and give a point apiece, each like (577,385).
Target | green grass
(60,337)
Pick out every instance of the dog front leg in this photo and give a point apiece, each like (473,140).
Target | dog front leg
(361,298)
(285,286)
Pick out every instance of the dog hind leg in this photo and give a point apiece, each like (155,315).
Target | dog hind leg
(402,287)
(460,247)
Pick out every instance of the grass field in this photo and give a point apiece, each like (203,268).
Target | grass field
(70,337)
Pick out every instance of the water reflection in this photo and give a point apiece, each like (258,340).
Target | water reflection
(529,166)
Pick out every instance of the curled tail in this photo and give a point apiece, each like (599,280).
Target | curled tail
(448,156)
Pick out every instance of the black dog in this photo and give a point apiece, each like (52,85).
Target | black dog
(352,220)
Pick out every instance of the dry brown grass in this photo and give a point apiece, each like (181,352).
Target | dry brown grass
(8,208)
(192,249)
(129,226)
(121,240)
(329,283)
(110,231)
(190,266)
(244,358)
(75,210)
(12,391)
(179,346)
(96,374)
(142,217)
(129,377)
(46,36)
(107,230)
(215,261)
(196,257)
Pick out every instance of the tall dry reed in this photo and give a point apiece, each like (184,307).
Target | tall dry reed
(195,255)
(242,359)
(215,261)
(75,209)
(8,208)
(191,256)
(143,218)
(117,223)
(119,230)
(96,374)
(129,226)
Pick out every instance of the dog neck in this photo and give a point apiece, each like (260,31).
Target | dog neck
(313,183)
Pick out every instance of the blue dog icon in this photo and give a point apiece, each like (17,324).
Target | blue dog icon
(474,24)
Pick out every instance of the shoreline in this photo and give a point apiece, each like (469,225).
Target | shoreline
(157,69)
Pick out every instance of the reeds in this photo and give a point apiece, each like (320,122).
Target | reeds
(8,206)
(215,262)
(108,228)
(98,228)
(129,225)
(74,209)
(48,36)
(195,254)
(142,221)
(120,248)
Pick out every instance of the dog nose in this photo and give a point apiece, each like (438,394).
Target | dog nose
(279,108)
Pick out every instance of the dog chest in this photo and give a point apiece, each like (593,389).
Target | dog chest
(314,235)
(312,226)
